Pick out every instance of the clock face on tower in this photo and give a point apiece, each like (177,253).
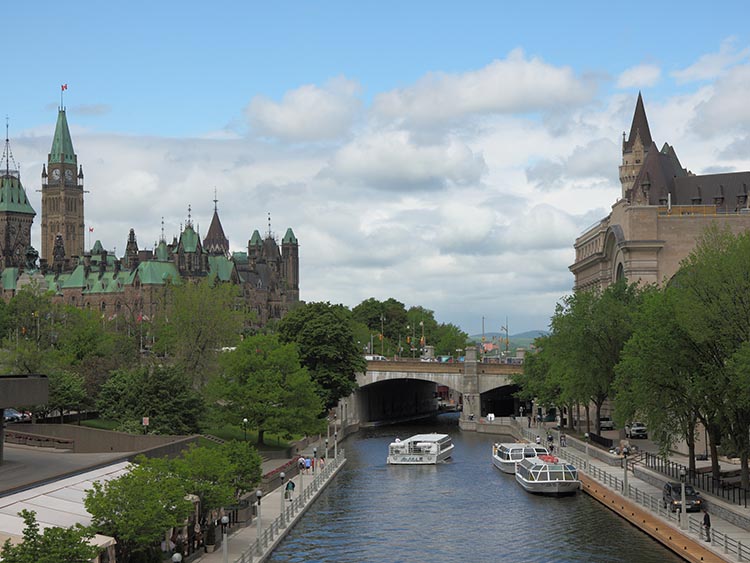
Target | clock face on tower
(69,175)
(56,174)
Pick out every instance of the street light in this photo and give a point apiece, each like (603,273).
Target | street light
(335,444)
(326,457)
(244,427)
(625,475)
(315,459)
(281,497)
(683,508)
(258,494)
(586,436)
(225,538)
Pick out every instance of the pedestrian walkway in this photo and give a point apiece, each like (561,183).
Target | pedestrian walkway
(276,515)
(640,501)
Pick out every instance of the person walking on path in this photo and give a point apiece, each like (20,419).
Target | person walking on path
(707,524)
(289,490)
(538,439)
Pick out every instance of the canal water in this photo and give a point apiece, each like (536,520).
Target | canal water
(461,511)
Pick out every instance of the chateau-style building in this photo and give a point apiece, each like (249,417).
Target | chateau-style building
(663,210)
(132,285)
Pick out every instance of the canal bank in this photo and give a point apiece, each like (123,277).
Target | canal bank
(275,515)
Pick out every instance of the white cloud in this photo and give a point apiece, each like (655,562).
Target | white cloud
(640,76)
(592,161)
(711,65)
(726,108)
(516,84)
(391,160)
(309,113)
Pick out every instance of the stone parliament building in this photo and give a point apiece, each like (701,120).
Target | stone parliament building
(663,210)
(134,284)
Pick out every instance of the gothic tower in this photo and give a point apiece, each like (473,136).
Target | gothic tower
(16,213)
(290,263)
(634,149)
(62,195)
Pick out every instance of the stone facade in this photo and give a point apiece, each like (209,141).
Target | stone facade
(663,211)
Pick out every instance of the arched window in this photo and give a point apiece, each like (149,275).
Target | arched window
(620,273)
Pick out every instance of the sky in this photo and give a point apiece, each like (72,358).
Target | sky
(445,154)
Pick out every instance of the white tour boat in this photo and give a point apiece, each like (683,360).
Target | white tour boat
(547,475)
(421,449)
(505,456)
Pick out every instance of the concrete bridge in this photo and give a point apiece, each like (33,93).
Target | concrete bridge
(398,390)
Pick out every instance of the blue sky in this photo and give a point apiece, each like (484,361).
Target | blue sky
(445,154)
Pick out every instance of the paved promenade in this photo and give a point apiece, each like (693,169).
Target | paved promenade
(642,506)
(256,541)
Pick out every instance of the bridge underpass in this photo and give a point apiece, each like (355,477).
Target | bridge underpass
(391,391)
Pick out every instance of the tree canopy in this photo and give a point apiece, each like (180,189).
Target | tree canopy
(325,341)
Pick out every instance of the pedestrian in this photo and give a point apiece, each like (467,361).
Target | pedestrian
(707,524)
(308,465)
(301,464)
(563,441)
(529,419)
(550,439)
(538,439)
(289,490)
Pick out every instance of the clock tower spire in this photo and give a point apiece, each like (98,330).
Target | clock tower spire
(62,195)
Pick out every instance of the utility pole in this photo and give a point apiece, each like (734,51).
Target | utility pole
(382,336)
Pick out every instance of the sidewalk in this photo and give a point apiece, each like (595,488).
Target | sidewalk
(254,542)
(643,505)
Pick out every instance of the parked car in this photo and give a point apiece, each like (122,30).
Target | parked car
(636,430)
(672,498)
(606,423)
(12,415)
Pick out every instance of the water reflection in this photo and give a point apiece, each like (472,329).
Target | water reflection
(462,511)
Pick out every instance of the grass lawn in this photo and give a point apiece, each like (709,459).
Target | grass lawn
(100,423)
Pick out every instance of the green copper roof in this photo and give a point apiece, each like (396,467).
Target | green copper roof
(155,273)
(13,196)
(76,278)
(62,145)
(189,239)
(255,240)
(221,266)
(9,276)
(239,257)
(98,248)
(289,237)
(162,252)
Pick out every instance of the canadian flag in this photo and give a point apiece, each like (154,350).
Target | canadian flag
(63,87)
(91,229)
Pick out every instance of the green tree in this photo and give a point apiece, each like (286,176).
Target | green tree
(67,391)
(54,545)
(264,382)
(137,507)
(327,348)
(158,392)
(199,320)
(246,465)
(660,375)
(448,339)
(207,474)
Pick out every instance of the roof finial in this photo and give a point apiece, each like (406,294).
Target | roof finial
(7,153)
(269,224)
(215,201)
(189,222)
(162,239)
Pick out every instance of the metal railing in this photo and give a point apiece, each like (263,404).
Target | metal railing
(703,481)
(652,503)
(257,549)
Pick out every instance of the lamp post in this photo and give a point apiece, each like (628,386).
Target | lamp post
(244,428)
(382,336)
(683,508)
(315,459)
(625,474)
(177,558)
(224,539)
(326,456)
(586,437)
(258,495)
(282,475)
(335,444)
